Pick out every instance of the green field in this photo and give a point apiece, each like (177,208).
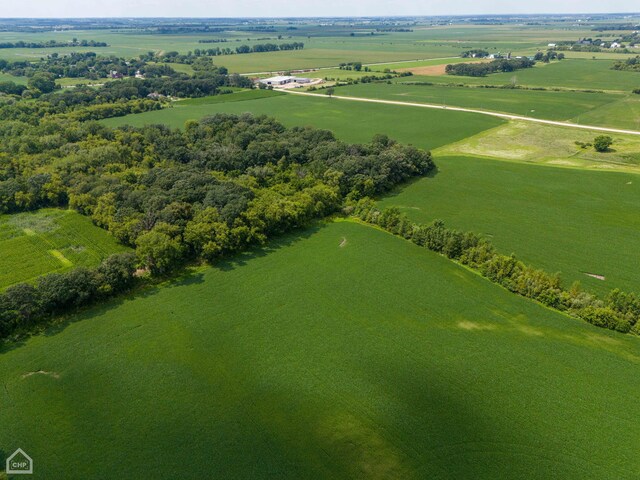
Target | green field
(569,73)
(5,77)
(340,353)
(351,121)
(48,241)
(548,105)
(562,220)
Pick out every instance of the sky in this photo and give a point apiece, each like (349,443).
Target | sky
(301,8)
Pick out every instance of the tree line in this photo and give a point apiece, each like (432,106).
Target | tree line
(483,69)
(618,311)
(191,56)
(630,64)
(212,189)
(53,44)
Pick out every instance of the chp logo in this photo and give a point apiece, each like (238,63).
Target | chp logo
(19,463)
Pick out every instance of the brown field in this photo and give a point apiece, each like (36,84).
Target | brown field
(432,70)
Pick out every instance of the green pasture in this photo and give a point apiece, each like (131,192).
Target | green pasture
(564,220)
(340,352)
(351,121)
(34,244)
(549,105)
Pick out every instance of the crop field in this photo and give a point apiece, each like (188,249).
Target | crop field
(557,219)
(50,240)
(568,73)
(425,370)
(623,113)
(350,121)
(549,105)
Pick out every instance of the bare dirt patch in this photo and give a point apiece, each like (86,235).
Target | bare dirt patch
(467,325)
(431,70)
(595,275)
(42,372)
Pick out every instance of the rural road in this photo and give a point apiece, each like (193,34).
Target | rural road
(506,116)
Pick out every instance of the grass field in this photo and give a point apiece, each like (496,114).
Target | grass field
(351,121)
(5,77)
(549,105)
(342,353)
(562,220)
(569,73)
(549,144)
(47,241)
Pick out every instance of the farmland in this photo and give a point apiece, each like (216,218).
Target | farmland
(259,327)
(531,103)
(420,362)
(35,244)
(508,202)
(485,193)
(352,122)
(569,73)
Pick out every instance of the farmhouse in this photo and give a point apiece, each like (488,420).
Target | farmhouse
(283,80)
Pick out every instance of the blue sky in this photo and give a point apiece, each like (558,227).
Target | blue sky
(297,8)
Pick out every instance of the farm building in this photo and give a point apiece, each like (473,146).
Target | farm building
(283,80)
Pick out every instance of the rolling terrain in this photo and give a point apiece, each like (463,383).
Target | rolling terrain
(423,370)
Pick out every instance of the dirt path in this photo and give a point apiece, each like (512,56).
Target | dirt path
(506,116)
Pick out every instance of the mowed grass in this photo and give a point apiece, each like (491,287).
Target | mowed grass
(562,220)
(350,121)
(47,241)
(530,103)
(549,144)
(569,73)
(343,352)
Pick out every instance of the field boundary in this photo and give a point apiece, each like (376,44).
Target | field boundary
(505,116)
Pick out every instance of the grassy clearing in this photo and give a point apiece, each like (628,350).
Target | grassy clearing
(531,103)
(351,121)
(424,370)
(569,73)
(538,143)
(47,241)
(567,220)
(5,77)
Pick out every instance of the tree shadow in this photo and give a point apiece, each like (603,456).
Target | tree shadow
(401,187)
(286,240)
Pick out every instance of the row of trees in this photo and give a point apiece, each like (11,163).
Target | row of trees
(53,44)
(26,305)
(483,69)
(619,311)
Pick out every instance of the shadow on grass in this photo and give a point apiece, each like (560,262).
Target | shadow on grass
(186,276)
(403,186)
